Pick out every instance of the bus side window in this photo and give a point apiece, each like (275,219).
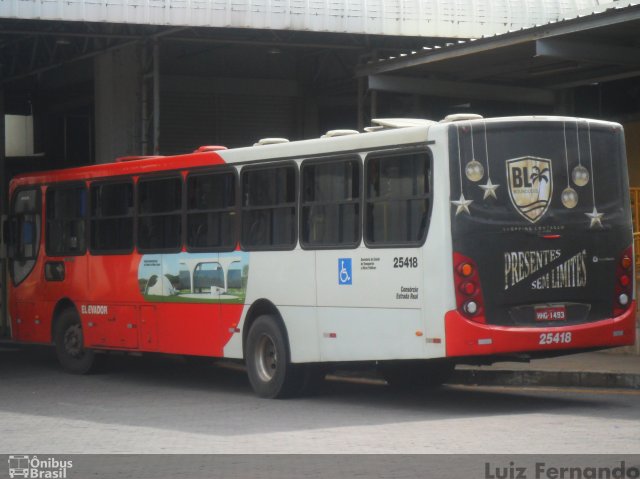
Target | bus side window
(160,214)
(111,223)
(211,211)
(66,212)
(330,215)
(269,207)
(397,203)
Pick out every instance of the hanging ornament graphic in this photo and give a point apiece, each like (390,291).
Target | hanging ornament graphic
(594,216)
(580,175)
(462,205)
(474,169)
(569,197)
(489,188)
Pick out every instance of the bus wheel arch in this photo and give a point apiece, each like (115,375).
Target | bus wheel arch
(69,341)
(61,305)
(259,308)
(267,353)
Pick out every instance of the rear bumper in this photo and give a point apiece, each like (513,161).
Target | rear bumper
(468,338)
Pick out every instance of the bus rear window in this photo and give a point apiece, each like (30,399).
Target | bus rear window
(537,174)
(397,201)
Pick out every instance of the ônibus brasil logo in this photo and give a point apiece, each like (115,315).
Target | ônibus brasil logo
(35,468)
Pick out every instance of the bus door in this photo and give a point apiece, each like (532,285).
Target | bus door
(65,259)
(23,235)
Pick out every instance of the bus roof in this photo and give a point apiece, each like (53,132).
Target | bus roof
(386,138)
(251,154)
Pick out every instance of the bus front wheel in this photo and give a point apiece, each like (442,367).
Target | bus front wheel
(271,373)
(69,342)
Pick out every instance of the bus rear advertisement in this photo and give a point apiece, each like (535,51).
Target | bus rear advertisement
(413,247)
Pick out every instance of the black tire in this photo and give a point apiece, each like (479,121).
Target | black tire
(417,375)
(70,349)
(271,373)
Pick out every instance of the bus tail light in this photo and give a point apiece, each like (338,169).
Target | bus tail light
(624,282)
(468,288)
(468,292)
(465,269)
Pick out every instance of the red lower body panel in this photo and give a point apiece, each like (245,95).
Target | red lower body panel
(468,338)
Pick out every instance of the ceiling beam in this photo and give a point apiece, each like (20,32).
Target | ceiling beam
(609,18)
(591,78)
(588,52)
(518,67)
(454,89)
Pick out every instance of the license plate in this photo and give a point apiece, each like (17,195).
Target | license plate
(551,313)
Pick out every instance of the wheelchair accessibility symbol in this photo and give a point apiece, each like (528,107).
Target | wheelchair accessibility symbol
(344,271)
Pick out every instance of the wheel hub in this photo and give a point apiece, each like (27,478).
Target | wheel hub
(266,358)
(73,341)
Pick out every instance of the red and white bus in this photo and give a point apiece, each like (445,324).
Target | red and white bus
(414,246)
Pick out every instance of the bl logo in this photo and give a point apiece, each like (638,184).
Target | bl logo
(344,271)
(530,186)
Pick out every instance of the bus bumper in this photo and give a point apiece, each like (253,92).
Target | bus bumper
(468,338)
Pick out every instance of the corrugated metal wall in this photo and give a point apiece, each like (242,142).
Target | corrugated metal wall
(462,18)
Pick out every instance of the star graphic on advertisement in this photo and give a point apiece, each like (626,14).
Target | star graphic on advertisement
(595,218)
(489,189)
(462,204)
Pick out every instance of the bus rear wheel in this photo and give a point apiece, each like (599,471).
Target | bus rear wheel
(271,373)
(417,375)
(69,342)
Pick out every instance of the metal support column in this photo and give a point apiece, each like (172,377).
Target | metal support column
(374,104)
(4,198)
(144,101)
(361,93)
(156,98)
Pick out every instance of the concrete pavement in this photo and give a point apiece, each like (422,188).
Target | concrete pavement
(593,369)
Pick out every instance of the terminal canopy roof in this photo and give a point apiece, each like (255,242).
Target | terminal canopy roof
(527,65)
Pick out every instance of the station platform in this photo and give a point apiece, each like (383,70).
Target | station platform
(609,369)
